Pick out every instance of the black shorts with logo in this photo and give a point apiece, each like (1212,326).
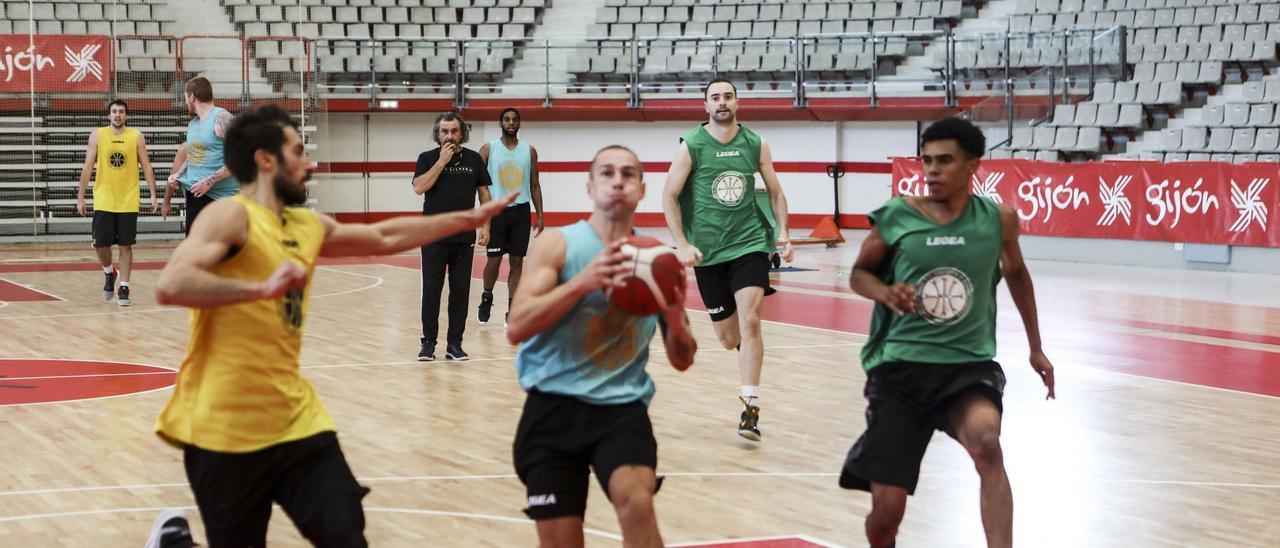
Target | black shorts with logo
(509,232)
(559,437)
(717,283)
(906,402)
(309,478)
(112,228)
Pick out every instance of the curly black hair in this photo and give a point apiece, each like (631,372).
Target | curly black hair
(963,132)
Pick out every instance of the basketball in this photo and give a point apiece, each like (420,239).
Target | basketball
(654,280)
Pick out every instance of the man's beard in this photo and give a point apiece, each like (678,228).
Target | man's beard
(512,131)
(117,126)
(290,194)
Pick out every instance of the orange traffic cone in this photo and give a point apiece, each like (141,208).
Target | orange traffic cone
(827,230)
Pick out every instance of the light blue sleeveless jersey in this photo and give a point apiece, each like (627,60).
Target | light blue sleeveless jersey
(510,170)
(205,156)
(595,353)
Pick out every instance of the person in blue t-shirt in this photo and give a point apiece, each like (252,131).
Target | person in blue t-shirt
(582,365)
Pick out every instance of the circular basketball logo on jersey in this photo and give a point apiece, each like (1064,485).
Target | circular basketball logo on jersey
(612,339)
(729,188)
(944,296)
(511,177)
(116,159)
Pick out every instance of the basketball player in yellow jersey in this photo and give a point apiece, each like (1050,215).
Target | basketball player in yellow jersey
(251,427)
(117,151)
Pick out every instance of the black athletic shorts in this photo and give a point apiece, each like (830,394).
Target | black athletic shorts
(194,204)
(717,283)
(906,402)
(309,478)
(509,232)
(111,228)
(559,437)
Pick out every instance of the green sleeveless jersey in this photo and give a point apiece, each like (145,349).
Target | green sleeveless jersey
(717,204)
(955,268)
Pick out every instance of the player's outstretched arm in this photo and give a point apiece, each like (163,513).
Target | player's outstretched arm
(680,167)
(1018,277)
(899,297)
(188,280)
(402,233)
(541,301)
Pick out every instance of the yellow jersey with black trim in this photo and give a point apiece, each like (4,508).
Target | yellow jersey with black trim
(115,187)
(240,388)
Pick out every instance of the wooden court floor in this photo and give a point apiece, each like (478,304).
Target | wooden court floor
(1166,431)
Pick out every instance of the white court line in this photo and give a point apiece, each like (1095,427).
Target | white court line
(86,399)
(132,310)
(349,291)
(486,517)
(805,538)
(430,363)
(505,477)
(93,376)
(413,511)
(171,369)
(184,309)
(29,288)
(1099,371)
(509,358)
(93,512)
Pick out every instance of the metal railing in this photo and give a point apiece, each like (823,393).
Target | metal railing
(639,67)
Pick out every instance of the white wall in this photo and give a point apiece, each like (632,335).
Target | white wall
(400,137)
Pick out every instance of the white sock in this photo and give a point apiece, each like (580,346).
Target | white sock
(108,269)
(751,394)
(124,284)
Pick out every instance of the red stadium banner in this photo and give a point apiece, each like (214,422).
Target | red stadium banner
(66,62)
(1195,202)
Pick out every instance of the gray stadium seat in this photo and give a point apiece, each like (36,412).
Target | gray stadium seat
(1089,140)
(1193,139)
(1212,115)
(1267,140)
(1219,139)
(1236,115)
(1063,115)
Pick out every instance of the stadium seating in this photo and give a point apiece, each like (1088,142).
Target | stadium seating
(1181,55)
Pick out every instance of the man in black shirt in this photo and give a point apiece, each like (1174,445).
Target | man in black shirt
(450,176)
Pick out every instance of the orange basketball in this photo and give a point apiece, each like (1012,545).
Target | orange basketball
(653,282)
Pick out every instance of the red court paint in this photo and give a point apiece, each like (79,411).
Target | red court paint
(13,293)
(1070,342)
(45,381)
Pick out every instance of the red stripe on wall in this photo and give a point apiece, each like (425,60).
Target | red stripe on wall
(583,167)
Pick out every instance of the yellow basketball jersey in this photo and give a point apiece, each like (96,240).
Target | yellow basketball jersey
(240,388)
(116,186)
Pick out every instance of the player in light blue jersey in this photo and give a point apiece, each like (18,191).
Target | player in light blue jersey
(513,167)
(582,364)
